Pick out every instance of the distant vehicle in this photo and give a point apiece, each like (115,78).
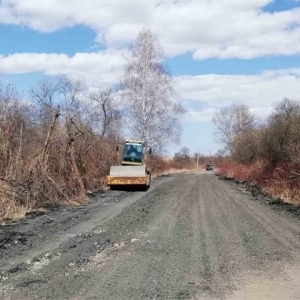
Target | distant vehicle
(209,167)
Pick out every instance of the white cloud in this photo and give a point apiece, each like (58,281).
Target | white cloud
(261,112)
(205,28)
(260,92)
(102,67)
(205,115)
(257,91)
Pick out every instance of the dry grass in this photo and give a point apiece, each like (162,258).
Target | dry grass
(78,200)
(10,207)
(282,182)
(285,183)
(11,211)
(288,194)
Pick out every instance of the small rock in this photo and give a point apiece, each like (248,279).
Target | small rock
(36,259)
(15,269)
(275,201)
(134,240)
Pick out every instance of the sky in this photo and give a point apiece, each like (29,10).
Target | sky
(219,52)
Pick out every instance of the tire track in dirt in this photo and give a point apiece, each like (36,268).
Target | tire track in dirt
(157,241)
(195,237)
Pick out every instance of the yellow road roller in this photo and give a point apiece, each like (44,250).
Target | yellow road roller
(133,173)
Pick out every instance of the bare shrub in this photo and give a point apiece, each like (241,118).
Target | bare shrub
(268,155)
(246,146)
(282,134)
(183,160)
(53,151)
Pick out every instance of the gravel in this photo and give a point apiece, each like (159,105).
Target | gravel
(192,236)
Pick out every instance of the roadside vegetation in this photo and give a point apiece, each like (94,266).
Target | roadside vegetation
(185,160)
(60,143)
(267,153)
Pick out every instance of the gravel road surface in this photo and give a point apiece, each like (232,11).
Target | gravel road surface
(192,236)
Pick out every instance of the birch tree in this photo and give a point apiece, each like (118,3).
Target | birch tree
(152,111)
(231,121)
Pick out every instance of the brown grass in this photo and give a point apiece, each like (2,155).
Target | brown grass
(282,181)
(10,207)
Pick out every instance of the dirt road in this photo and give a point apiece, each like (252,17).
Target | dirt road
(192,236)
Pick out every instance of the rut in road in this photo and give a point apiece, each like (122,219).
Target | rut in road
(196,237)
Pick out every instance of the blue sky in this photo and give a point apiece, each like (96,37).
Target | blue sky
(219,52)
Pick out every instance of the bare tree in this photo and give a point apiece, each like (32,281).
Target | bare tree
(72,109)
(230,121)
(153,112)
(45,97)
(104,113)
(185,152)
(246,146)
(13,121)
(282,133)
